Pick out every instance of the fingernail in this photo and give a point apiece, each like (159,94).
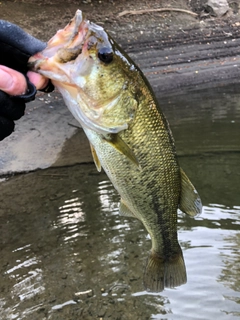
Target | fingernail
(12,82)
(5,80)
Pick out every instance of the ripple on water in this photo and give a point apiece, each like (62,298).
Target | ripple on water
(61,233)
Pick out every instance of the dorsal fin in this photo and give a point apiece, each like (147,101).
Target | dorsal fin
(190,202)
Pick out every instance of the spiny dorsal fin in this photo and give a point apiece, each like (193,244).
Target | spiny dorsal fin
(122,147)
(125,211)
(95,158)
(190,202)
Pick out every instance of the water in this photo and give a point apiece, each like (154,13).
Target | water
(67,254)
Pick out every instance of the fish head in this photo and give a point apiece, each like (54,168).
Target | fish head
(98,82)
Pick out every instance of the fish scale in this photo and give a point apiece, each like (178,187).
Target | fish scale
(152,191)
(129,138)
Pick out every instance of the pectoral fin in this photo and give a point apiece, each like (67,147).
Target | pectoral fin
(95,158)
(190,202)
(125,211)
(122,147)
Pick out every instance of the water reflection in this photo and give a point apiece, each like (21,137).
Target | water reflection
(61,233)
(231,258)
(84,244)
(27,279)
(209,120)
(107,197)
(71,215)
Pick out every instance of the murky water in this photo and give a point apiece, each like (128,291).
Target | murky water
(67,254)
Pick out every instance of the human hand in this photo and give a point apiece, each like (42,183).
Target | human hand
(17,84)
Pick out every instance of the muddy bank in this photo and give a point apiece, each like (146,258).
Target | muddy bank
(177,51)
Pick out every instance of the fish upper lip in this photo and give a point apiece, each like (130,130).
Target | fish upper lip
(34,62)
(78,18)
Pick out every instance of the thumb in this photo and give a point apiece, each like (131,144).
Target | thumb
(12,82)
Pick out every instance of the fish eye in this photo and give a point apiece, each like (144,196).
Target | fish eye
(105,55)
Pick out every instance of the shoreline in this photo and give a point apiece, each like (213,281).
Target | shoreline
(176,51)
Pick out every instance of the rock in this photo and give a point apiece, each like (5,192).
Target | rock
(102,312)
(84,294)
(219,7)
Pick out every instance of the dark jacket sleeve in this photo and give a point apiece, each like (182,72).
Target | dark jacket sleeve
(16,46)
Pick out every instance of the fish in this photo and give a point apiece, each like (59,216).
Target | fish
(130,138)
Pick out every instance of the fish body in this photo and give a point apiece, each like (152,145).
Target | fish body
(129,137)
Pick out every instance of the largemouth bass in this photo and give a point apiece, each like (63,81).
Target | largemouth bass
(129,137)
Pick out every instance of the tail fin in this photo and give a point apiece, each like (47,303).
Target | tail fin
(163,273)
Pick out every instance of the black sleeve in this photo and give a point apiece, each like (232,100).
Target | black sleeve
(16,47)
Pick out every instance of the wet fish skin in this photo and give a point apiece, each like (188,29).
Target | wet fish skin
(150,193)
(129,137)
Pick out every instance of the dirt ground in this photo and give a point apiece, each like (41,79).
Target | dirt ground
(176,50)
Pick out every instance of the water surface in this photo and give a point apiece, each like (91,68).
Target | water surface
(67,254)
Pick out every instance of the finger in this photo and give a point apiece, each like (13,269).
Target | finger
(38,80)
(12,82)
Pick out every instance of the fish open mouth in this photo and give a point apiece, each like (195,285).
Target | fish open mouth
(64,46)
(70,60)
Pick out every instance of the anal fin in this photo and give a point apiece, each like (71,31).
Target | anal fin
(95,158)
(125,211)
(190,202)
